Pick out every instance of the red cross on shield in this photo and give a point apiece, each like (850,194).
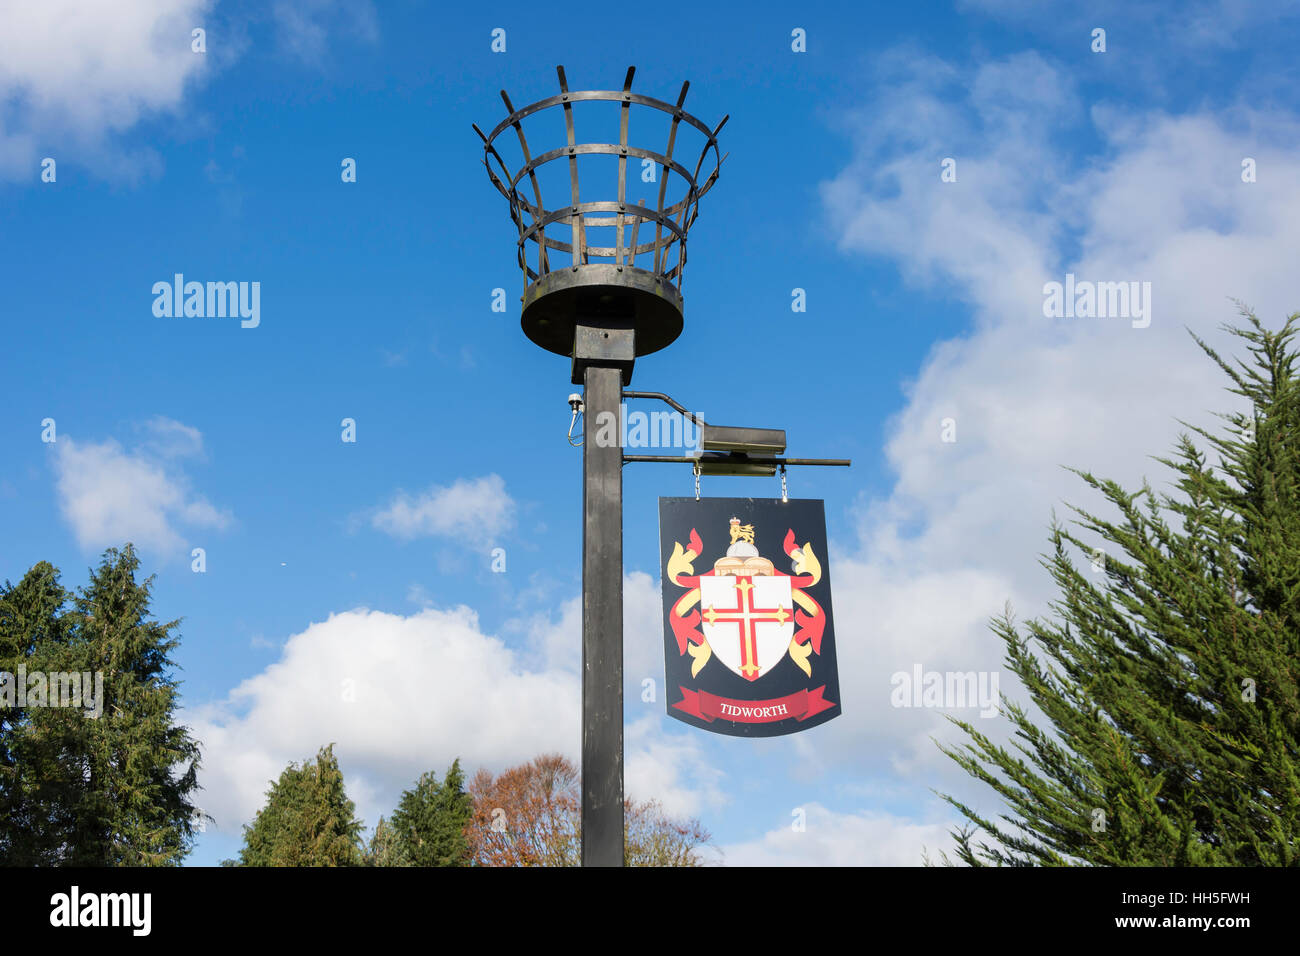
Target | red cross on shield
(748,621)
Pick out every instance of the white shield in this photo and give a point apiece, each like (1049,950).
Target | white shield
(748,621)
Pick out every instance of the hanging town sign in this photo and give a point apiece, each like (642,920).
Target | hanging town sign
(749,640)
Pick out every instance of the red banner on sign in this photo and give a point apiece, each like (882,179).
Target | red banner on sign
(709,707)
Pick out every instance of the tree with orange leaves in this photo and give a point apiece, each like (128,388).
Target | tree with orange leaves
(531,815)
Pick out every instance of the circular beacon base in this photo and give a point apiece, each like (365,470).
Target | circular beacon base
(598,294)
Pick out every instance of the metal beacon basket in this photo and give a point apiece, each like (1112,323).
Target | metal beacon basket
(623,262)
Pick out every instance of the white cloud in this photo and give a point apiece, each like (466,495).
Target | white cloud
(673,769)
(401,695)
(963,525)
(110,495)
(303,26)
(554,638)
(168,438)
(398,695)
(72,74)
(844,839)
(475,509)
(1196,23)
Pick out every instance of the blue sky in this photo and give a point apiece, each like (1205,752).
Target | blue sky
(370,561)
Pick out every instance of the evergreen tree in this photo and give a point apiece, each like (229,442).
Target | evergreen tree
(430,820)
(385,849)
(1171,684)
(307,821)
(36,795)
(110,790)
(133,811)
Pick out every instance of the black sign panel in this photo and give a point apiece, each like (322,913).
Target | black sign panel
(749,635)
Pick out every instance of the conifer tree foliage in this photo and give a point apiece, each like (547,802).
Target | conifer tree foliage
(308,819)
(431,818)
(1170,681)
(112,790)
(37,792)
(384,848)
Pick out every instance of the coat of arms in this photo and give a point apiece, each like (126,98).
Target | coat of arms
(755,636)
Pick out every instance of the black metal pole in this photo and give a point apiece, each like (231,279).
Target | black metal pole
(602,306)
(602,620)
